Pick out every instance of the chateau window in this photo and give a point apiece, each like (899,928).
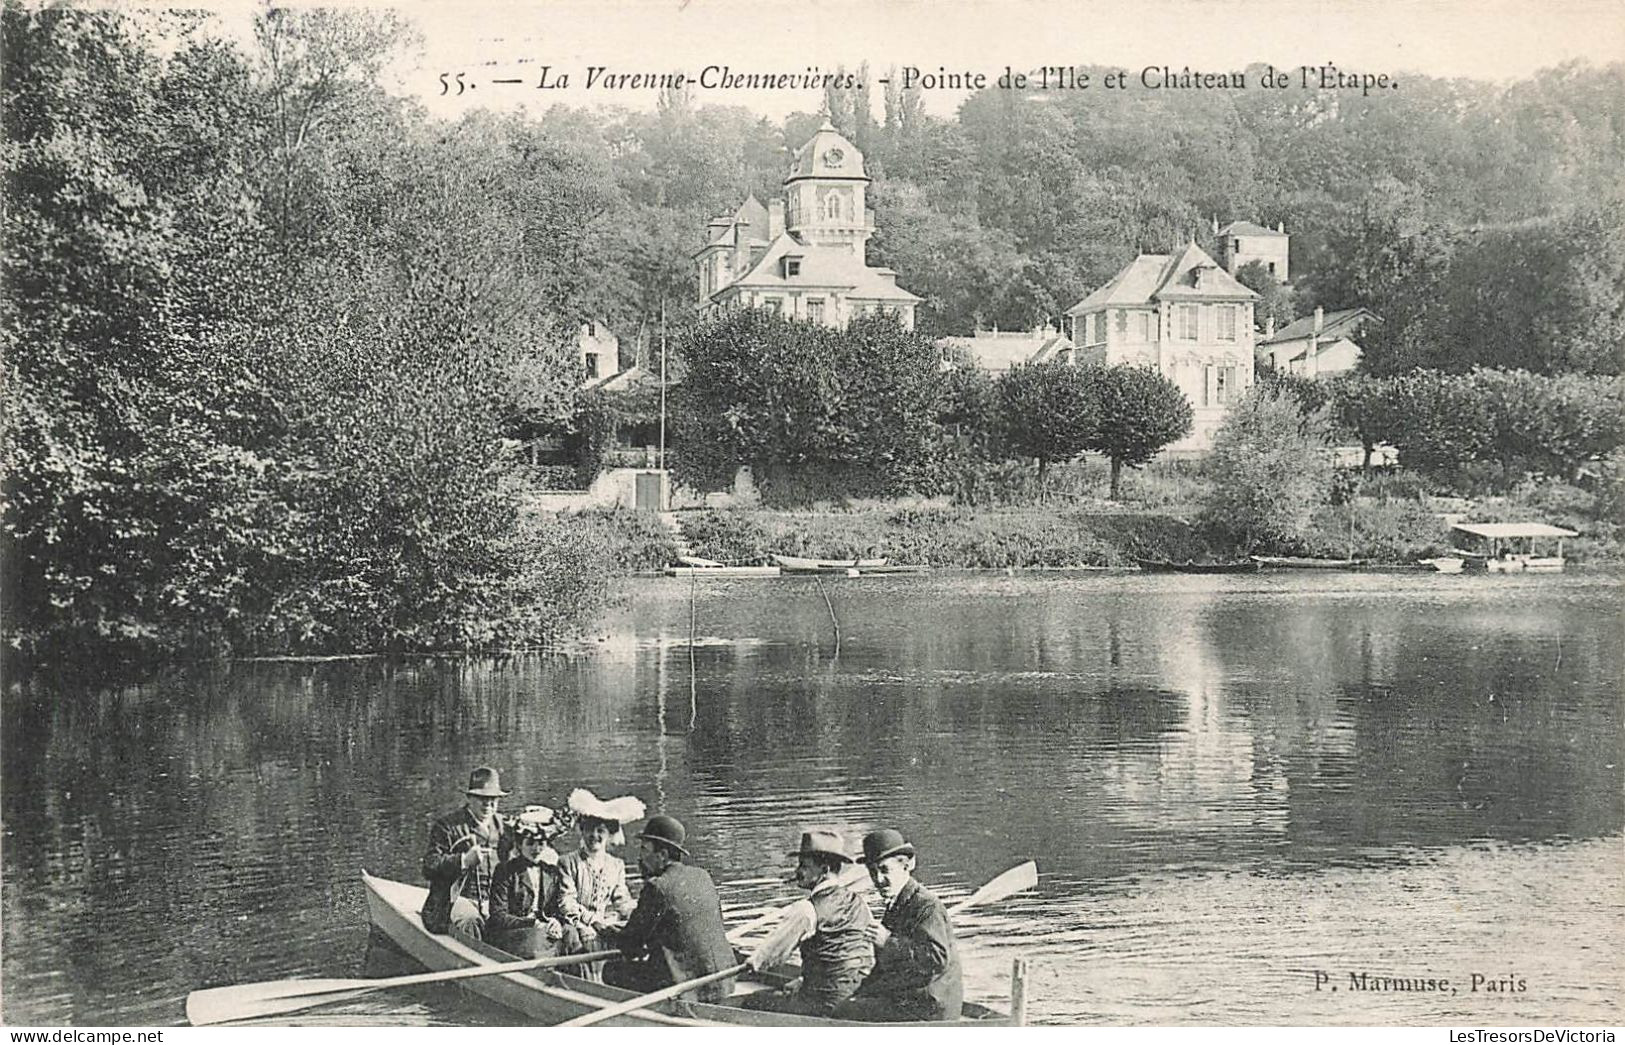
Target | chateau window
(592,365)
(1089,329)
(1227,322)
(1223,385)
(1142,326)
(792,266)
(773,305)
(832,207)
(1185,322)
(815,310)
(1122,323)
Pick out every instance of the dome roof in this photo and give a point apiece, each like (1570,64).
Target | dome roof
(827,155)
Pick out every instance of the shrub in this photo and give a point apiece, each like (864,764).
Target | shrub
(1271,471)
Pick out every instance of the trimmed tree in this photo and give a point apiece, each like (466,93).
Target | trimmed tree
(814,411)
(1140,412)
(1047,411)
(1271,470)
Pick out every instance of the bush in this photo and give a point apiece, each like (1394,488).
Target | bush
(1271,471)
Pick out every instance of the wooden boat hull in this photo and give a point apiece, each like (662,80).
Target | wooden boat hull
(798,564)
(722,571)
(1293,562)
(550,997)
(1159,566)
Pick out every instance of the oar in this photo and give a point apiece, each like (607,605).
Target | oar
(246,1001)
(1023,876)
(854,877)
(661,995)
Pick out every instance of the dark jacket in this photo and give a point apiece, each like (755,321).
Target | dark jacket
(918,968)
(451,836)
(512,900)
(678,924)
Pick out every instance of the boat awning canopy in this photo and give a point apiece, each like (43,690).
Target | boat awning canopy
(1501,531)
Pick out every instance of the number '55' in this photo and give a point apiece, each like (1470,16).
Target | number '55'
(446,87)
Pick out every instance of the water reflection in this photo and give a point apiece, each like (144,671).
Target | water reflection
(1193,762)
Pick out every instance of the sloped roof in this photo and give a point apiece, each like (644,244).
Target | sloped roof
(1248,228)
(1197,277)
(1501,531)
(1191,276)
(1133,285)
(821,268)
(1339,324)
(999,351)
(827,155)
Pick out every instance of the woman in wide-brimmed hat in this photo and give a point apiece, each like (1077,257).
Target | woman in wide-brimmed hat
(523,918)
(593,897)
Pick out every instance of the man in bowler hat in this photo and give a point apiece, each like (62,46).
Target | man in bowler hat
(916,974)
(675,932)
(463,856)
(831,927)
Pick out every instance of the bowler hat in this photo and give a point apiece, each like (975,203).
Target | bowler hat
(667,831)
(819,842)
(877,845)
(485,783)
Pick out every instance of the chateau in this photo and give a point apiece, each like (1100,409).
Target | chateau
(804,255)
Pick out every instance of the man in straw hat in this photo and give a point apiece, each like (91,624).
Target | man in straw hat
(675,932)
(831,927)
(463,856)
(916,974)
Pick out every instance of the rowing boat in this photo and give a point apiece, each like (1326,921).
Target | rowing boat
(1295,562)
(1163,566)
(798,564)
(551,997)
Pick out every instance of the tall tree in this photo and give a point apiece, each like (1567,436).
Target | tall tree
(1047,412)
(1140,413)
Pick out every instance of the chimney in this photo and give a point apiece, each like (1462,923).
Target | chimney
(1269,326)
(1215,224)
(775,220)
(1280,227)
(1311,355)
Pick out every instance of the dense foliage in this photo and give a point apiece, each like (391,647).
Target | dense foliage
(1271,471)
(813,411)
(257,365)
(1047,412)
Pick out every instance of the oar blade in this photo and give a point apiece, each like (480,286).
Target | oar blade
(248,1001)
(1023,876)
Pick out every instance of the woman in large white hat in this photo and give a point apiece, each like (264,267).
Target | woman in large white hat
(593,897)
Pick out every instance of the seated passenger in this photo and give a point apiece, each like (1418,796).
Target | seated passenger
(593,897)
(916,974)
(523,917)
(463,852)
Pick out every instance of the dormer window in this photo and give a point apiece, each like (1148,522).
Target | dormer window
(792,267)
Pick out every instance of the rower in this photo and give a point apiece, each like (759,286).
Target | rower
(916,974)
(462,856)
(831,927)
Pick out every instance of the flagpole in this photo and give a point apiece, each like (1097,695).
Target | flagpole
(662,384)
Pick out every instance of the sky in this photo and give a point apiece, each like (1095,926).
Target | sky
(1495,40)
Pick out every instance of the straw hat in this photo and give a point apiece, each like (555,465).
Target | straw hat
(616,811)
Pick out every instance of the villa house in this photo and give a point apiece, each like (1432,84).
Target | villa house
(1241,242)
(1321,345)
(1182,315)
(996,351)
(804,255)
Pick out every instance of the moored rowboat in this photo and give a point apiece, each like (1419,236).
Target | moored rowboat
(549,997)
(798,564)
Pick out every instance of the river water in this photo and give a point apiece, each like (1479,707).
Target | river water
(1230,784)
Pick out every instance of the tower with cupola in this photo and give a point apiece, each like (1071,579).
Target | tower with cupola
(824,193)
